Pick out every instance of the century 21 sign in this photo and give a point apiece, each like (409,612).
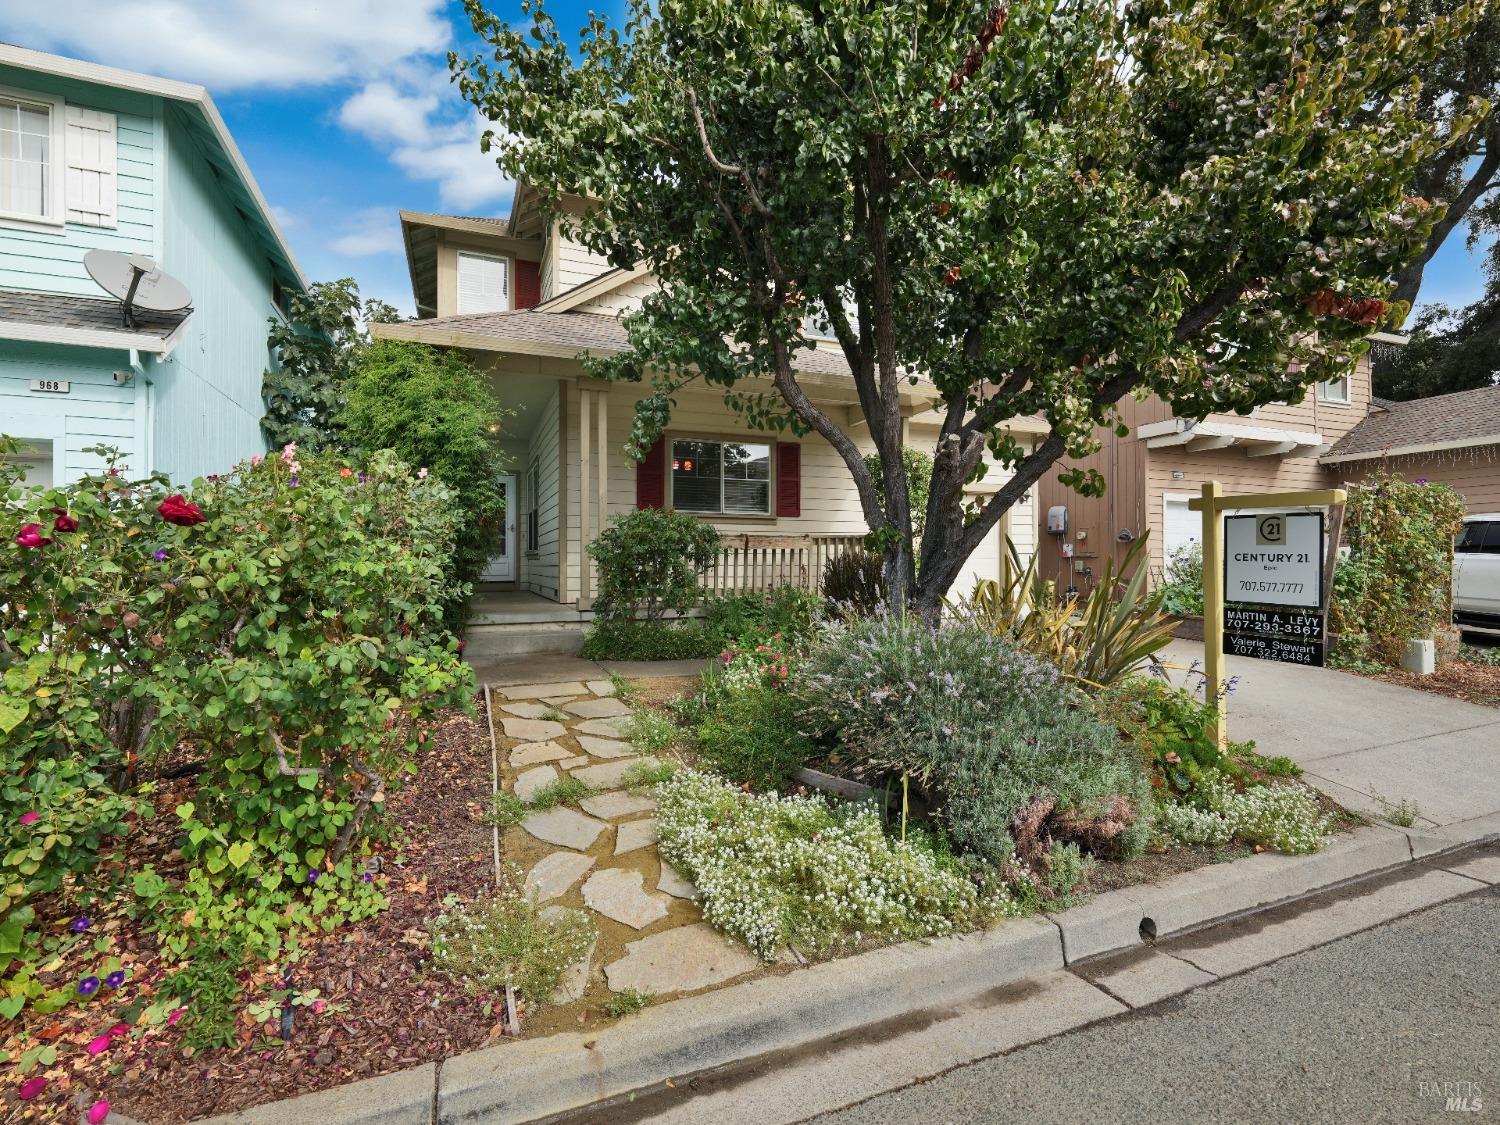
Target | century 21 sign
(1274,558)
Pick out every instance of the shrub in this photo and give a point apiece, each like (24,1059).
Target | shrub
(435,409)
(650,561)
(623,639)
(788,611)
(855,582)
(918,464)
(998,735)
(1174,729)
(1400,582)
(754,736)
(508,938)
(774,871)
(284,620)
(1106,636)
(1182,592)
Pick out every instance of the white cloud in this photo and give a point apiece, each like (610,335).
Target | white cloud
(374,230)
(236,44)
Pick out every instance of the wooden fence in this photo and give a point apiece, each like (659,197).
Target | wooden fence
(763,562)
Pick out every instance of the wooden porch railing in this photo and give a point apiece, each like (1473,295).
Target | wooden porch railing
(763,562)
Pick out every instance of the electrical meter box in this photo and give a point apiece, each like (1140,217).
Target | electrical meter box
(1057,519)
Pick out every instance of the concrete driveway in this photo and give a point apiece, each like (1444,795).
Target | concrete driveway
(1355,736)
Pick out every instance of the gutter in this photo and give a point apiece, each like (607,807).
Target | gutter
(1410,450)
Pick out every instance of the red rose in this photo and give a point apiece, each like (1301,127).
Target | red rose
(31,536)
(179,510)
(63,522)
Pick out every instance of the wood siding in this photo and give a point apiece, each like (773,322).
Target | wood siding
(95,411)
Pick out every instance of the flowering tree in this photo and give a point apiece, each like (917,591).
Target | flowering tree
(1038,206)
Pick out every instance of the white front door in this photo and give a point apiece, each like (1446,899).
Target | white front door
(502,567)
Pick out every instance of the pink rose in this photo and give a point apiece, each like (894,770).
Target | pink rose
(30,817)
(30,536)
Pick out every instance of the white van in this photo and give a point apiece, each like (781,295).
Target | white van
(1476,572)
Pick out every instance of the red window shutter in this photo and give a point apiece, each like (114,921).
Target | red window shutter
(651,477)
(788,478)
(528,284)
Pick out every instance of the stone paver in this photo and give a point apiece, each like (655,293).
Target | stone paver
(610,775)
(526,710)
(635,834)
(596,708)
(530,753)
(555,874)
(612,806)
(574,762)
(601,687)
(532,730)
(617,727)
(557,700)
(681,960)
(620,895)
(567,690)
(575,980)
(532,781)
(605,747)
(672,883)
(564,827)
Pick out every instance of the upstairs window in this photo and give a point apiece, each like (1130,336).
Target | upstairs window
(1336,391)
(714,477)
(31,150)
(483,283)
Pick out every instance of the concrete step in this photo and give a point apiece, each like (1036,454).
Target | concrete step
(518,639)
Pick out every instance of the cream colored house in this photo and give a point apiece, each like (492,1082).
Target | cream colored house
(525,303)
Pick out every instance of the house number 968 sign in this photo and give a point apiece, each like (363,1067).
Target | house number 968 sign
(1274,558)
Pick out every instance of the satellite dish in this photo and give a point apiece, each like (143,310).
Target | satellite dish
(136,282)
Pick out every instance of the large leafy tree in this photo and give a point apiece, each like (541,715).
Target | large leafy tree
(1040,206)
(316,346)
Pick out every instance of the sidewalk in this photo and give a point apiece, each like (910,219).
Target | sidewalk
(1352,735)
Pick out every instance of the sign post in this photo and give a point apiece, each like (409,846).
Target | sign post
(1273,568)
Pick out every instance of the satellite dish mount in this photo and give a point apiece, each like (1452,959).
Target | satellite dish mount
(137,283)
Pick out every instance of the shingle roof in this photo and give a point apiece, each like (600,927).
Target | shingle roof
(60,311)
(1464,417)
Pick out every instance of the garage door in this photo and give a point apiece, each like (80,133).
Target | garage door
(983,563)
(1179,526)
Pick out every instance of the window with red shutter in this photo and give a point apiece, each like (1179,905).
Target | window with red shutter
(651,477)
(528,284)
(788,478)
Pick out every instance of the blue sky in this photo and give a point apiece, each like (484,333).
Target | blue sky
(344,111)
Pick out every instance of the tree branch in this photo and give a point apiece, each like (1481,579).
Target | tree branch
(719,165)
(285,768)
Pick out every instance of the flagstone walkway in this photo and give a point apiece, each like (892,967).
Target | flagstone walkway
(601,857)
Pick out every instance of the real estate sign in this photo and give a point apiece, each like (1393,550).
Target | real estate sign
(1273,586)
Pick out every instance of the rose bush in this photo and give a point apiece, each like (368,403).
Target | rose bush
(282,625)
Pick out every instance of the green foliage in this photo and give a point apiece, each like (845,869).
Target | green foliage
(650,561)
(1400,582)
(774,871)
(788,611)
(1172,728)
(626,1002)
(1213,214)
(1485,657)
(650,730)
(504,938)
(316,348)
(623,639)
(854,583)
(507,811)
(563,791)
(1182,593)
(1285,817)
(754,736)
(208,985)
(1402,813)
(284,621)
(917,465)
(434,409)
(646,774)
(991,729)
(1108,634)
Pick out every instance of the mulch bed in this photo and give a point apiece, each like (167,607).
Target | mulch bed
(1473,683)
(385,1010)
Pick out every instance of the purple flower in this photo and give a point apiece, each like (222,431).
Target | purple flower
(312,876)
(1421,480)
(88,986)
(363,477)
(160,554)
(115,979)
(80,924)
(295,482)
(366,878)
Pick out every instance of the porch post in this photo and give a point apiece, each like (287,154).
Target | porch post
(601,396)
(585,578)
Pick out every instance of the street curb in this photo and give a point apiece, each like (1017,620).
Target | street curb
(530,1079)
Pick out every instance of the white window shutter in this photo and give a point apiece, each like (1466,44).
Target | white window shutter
(483,283)
(91,167)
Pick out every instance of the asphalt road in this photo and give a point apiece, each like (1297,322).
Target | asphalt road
(1383,1026)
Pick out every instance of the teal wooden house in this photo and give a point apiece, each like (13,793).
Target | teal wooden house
(92,157)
